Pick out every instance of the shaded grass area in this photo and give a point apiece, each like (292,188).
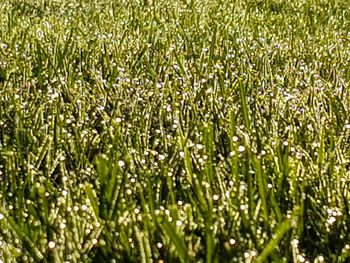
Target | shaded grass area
(174,131)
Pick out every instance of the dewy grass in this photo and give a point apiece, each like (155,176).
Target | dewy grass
(174,131)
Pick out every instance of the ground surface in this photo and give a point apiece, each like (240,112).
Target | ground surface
(174,131)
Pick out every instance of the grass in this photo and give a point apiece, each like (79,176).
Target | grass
(174,131)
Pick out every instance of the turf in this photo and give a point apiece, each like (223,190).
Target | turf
(174,131)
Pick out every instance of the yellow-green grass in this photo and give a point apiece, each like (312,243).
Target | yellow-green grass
(174,131)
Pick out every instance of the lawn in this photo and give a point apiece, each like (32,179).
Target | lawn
(174,131)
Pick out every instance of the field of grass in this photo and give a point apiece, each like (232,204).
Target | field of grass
(174,131)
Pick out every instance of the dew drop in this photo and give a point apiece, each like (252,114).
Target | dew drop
(243,207)
(241,148)
(199,146)
(159,245)
(121,163)
(51,245)
(331,220)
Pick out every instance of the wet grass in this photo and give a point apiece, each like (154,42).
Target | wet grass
(174,131)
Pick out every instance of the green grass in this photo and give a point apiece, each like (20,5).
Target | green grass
(174,131)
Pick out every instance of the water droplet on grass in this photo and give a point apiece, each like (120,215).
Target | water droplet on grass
(159,245)
(178,222)
(241,148)
(243,207)
(331,220)
(51,245)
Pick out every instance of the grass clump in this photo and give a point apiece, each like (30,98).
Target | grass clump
(174,131)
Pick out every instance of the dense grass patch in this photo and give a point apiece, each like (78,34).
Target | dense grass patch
(174,131)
